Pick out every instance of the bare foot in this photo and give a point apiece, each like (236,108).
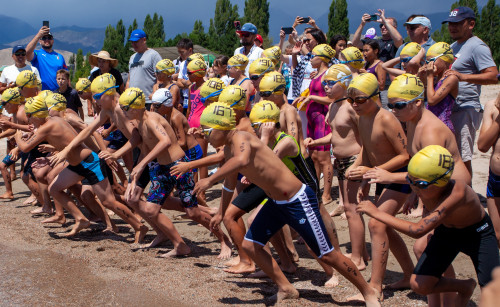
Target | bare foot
(140,234)
(181,250)
(225,250)
(159,239)
(360,264)
(403,284)
(261,274)
(241,268)
(338,210)
(289,294)
(30,200)
(356,298)
(111,230)
(55,219)
(42,210)
(233,261)
(464,297)
(374,298)
(13,177)
(7,196)
(332,282)
(79,225)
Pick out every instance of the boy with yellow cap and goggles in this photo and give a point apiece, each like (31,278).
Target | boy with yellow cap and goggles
(160,143)
(423,128)
(273,53)
(104,92)
(210,90)
(459,222)
(236,69)
(409,51)
(258,68)
(288,197)
(353,58)
(27,82)
(82,87)
(344,139)
(383,142)
(165,70)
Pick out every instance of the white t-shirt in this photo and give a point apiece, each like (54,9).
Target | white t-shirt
(9,73)
(254,54)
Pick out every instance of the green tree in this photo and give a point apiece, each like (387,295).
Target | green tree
(198,35)
(155,30)
(221,33)
(82,66)
(338,23)
(257,12)
(113,43)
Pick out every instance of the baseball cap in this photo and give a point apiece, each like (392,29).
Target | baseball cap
(424,21)
(137,35)
(370,33)
(17,48)
(259,38)
(248,27)
(459,14)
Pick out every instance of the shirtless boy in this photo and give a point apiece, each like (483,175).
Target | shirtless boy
(488,138)
(383,145)
(346,147)
(162,152)
(288,196)
(459,221)
(105,89)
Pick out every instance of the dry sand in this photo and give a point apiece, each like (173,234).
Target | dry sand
(39,268)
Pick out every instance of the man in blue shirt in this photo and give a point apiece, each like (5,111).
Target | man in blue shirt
(46,60)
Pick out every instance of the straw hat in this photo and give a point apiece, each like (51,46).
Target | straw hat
(102,55)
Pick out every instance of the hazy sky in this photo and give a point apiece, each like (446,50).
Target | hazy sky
(100,13)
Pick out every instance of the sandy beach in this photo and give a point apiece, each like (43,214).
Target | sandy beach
(40,268)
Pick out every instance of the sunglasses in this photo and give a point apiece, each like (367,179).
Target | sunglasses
(412,27)
(360,100)
(405,60)
(269,93)
(214,94)
(402,104)
(127,107)
(350,61)
(99,95)
(192,72)
(47,38)
(244,34)
(331,83)
(422,184)
(207,131)
(435,58)
(20,53)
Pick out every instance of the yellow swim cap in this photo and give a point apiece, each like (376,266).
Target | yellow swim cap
(197,67)
(218,115)
(442,51)
(354,57)
(12,95)
(36,107)
(410,50)
(27,78)
(339,72)
(211,89)
(366,83)
(56,101)
(272,82)
(45,93)
(265,111)
(83,85)
(133,98)
(234,96)
(407,87)
(431,163)
(240,61)
(104,82)
(324,51)
(260,66)
(196,56)
(273,53)
(165,66)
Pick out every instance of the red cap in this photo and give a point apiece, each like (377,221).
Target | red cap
(259,38)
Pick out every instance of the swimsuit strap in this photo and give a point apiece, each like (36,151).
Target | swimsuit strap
(243,81)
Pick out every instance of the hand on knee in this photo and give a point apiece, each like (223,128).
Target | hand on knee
(376,227)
